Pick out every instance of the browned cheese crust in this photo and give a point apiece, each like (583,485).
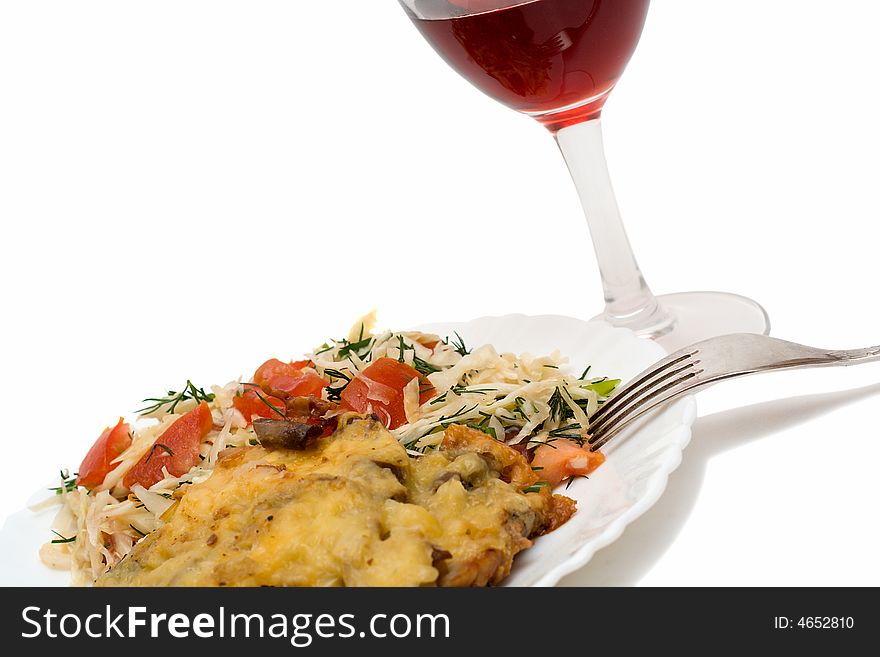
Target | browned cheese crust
(351,510)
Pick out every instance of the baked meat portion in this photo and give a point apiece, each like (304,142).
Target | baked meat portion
(350,509)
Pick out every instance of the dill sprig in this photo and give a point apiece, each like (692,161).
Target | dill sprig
(335,393)
(256,388)
(62,539)
(354,347)
(459,345)
(559,410)
(464,410)
(412,444)
(158,446)
(423,367)
(190,391)
(461,390)
(403,348)
(68,482)
(271,406)
(536,487)
(572,478)
(483,425)
(568,431)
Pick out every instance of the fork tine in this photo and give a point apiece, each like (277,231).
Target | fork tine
(636,397)
(644,384)
(638,407)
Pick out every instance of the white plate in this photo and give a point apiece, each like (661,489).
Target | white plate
(627,485)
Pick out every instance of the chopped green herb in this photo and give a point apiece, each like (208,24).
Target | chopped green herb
(257,391)
(518,407)
(62,539)
(458,345)
(68,483)
(569,432)
(487,430)
(559,410)
(190,391)
(445,419)
(573,477)
(355,348)
(461,390)
(403,349)
(334,393)
(424,367)
(158,446)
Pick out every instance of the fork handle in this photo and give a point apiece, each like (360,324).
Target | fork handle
(854,356)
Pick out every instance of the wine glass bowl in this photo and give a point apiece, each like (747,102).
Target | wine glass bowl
(557,61)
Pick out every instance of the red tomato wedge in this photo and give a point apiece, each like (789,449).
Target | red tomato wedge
(250,405)
(177,449)
(379,389)
(289,379)
(563,459)
(274,367)
(99,461)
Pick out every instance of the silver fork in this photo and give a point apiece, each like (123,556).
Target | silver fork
(704,364)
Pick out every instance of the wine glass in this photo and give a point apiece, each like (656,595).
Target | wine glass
(557,61)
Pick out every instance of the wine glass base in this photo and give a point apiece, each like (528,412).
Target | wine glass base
(701,315)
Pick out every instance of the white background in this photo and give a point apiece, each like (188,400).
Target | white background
(188,188)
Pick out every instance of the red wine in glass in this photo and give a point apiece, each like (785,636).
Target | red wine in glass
(557,61)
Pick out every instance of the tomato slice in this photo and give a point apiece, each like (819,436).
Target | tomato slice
(289,379)
(564,459)
(252,404)
(271,368)
(98,463)
(379,389)
(177,449)
(304,383)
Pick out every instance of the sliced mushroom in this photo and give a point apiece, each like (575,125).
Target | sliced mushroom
(282,434)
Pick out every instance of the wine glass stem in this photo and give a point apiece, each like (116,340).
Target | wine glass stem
(628,299)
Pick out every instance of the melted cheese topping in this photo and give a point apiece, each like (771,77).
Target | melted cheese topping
(355,510)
